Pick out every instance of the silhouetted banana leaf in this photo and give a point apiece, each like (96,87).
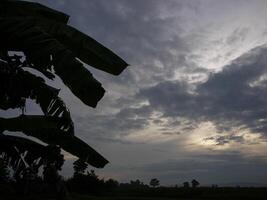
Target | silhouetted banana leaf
(84,47)
(42,35)
(20,35)
(13,8)
(50,134)
(16,85)
(21,153)
(46,128)
(27,123)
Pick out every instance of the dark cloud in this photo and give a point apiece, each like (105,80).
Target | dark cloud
(170,133)
(234,97)
(111,127)
(222,140)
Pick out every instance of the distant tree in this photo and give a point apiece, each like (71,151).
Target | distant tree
(111,184)
(52,164)
(79,167)
(86,183)
(195,183)
(154,182)
(136,182)
(186,184)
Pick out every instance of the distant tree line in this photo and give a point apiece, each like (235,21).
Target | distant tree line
(87,182)
(83,181)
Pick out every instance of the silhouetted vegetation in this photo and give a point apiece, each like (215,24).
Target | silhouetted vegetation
(92,187)
(195,183)
(4,172)
(33,36)
(87,185)
(154,182)
(186,184)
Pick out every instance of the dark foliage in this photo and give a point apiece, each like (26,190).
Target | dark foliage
(42,40)
(195,183)
(90,185)
(79,167)
(23,155)
(186,184)
(47,44)
(154,182)
(4,172)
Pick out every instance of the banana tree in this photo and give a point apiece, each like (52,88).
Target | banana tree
(21,153)
(48,44)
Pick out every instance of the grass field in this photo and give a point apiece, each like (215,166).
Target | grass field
(160,193)
(123,198)
(200,194)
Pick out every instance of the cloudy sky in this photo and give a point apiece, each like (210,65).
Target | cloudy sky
(193,103)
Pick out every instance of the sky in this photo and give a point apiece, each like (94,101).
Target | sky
(192,104)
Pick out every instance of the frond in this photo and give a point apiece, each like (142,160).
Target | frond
(16,85)
(22,9)
(45,129)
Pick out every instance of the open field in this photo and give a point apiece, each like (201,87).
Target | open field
(180,194)
(123,198)
(159,193)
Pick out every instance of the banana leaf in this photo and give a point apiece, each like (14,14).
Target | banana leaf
(49,134)
(13,8)
(48,44)
(16,85)
(29,123)
(21,153)
(54,23)
(84,47)
(20,35)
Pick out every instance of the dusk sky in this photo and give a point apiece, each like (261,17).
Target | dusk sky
(192,104)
